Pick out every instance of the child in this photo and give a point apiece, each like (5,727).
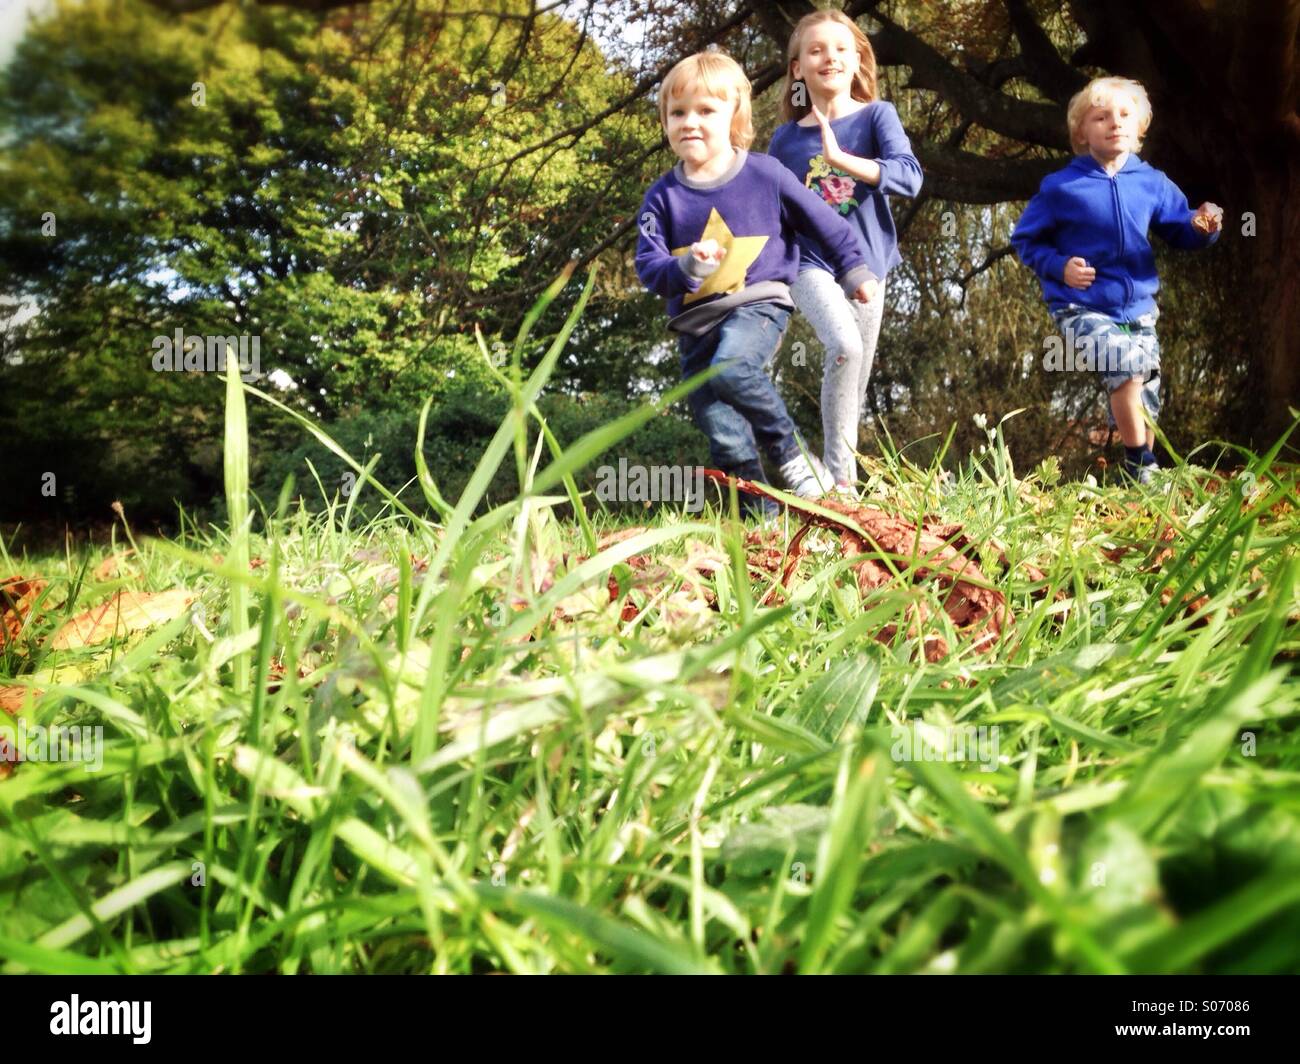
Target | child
(1085,235)
(849,147)
(717,240)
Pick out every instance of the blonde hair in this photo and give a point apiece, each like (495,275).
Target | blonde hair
(864,78)
(1101,92)
(715,74)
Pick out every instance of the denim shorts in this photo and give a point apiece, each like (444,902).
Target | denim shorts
(1118,351)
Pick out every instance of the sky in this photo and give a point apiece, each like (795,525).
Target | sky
(13,22)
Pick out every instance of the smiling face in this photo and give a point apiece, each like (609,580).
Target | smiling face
(699,125)
(1111,128)
(827,60)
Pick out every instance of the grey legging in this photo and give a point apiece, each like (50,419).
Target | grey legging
(848,331)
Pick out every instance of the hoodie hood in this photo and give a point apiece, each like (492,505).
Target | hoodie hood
(1086,164)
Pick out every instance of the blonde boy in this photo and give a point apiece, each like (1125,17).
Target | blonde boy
(717,241)
(1085,235)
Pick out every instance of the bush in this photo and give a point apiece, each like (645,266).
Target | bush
(461,424)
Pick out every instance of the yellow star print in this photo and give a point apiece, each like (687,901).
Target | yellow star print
(730,274)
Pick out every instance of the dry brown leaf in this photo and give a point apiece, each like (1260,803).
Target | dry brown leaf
(275,675)
(17,597)
(12,700)
(610,538)
(127,611)
(114,565)
(686,611)
(1193,604)
(1159,553)
(974,607)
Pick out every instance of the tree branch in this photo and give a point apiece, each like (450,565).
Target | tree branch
(186,7)
(975,271)
(965,177)
(1037,123)
(778,19)
(573,133)
(1043,65)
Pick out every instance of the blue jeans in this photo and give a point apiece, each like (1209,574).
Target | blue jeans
(740,409)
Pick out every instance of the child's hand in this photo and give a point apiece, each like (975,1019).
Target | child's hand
(866,292)
(830,145)
(1208,218)
(1078,274)
(709,252)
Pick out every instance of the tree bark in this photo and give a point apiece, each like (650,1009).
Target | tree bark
(1275,289)
(1225,88)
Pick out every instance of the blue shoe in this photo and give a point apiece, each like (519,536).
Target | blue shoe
(766,512)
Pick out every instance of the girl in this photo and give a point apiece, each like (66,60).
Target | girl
(850,148)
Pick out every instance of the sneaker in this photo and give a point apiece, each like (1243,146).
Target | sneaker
(763,512)
(807,477)
(1143,474)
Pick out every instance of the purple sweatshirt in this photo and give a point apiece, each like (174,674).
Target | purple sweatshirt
(755,210)
(873,132)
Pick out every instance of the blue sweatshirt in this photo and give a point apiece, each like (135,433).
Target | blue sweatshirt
(754,210)
(872,132)
(1080,210)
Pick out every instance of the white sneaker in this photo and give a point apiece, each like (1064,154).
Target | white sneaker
(807,477)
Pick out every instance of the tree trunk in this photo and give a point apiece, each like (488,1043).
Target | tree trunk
(1276,292)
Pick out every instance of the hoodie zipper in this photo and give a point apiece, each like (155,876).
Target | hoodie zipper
(1119,224)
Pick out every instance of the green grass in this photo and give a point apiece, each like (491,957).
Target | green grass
(383,751)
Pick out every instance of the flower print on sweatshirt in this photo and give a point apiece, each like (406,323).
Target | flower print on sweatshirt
(833,185)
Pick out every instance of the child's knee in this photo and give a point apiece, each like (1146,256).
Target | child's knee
(737,376)
(845,351)
(730,375)
(1122,389)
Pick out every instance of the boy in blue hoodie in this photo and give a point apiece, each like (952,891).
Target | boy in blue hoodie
(717,240)
(1085,235)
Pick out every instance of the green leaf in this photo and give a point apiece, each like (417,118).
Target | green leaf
(839,697)
(782,832)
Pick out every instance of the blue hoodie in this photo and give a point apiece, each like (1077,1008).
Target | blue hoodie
(1080,210)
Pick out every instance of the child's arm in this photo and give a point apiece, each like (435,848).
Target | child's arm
(900,173)
(659,269)
(894,171)
(1173,220)
(807,213)
(1033,239)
